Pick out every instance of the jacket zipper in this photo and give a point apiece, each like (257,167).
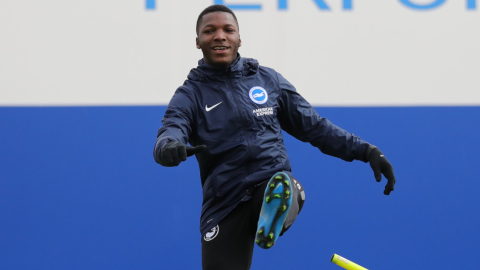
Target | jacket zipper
(249,191)
(241,116)
(242,119)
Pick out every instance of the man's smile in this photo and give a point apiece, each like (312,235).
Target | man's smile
(220,49)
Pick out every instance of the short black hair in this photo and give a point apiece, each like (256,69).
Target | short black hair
(215,8)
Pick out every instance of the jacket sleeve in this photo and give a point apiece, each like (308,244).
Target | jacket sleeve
(177,121)
(299,119)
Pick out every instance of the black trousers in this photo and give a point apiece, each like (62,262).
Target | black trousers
(229,245)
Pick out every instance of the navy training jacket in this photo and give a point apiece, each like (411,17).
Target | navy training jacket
(238,112)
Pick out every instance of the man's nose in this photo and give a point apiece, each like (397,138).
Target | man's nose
(220,36)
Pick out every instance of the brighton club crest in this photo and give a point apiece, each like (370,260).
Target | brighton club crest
(258,95)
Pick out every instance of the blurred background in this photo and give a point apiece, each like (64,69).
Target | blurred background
(84,86)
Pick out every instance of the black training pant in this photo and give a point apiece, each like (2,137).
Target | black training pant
(229,245)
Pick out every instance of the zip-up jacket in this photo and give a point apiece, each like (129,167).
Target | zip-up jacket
(238,112)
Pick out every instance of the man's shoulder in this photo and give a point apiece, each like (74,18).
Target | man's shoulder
(188,88)
(255,65)
(269,70)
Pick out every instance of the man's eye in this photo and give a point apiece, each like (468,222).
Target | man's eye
(230,30)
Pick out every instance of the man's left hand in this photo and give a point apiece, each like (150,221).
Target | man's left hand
(380,165)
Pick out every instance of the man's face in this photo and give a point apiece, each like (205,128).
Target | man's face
(218,38)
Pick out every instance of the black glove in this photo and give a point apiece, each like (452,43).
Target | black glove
(175,152)
(380,165)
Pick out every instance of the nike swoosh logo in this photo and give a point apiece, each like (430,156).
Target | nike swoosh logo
(209,109)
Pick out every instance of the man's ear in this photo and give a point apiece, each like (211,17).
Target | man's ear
(239,42)
(198,43)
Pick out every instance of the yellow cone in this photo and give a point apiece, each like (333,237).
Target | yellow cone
(342,262)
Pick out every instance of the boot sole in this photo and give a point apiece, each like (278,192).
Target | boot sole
(276,204)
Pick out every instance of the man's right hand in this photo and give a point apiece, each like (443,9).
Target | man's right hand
(175,152)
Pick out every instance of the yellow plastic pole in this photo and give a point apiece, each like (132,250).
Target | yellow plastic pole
(342,262)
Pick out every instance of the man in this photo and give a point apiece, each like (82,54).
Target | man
(232,110)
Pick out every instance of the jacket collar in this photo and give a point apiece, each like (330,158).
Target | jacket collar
(240,67)
(233,70)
